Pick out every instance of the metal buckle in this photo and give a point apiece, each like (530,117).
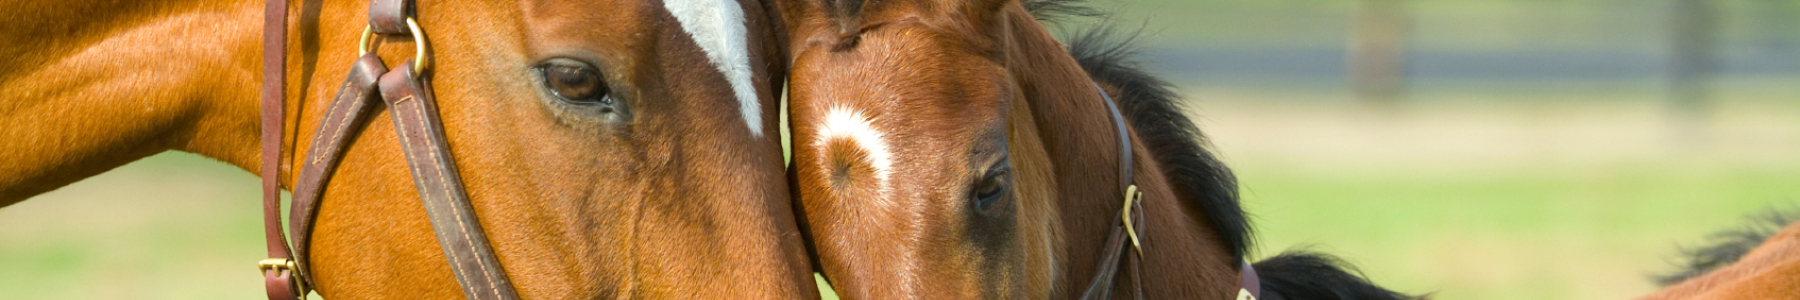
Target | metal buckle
(284,264)
(1132,194)
(276,264)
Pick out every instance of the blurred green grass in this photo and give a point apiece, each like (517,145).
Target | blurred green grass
(1498,192)
(174,226)
(1525,232)
(1527,195)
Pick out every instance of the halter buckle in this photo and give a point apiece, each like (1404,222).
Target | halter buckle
(285,264)
(1132,195)
(278,264)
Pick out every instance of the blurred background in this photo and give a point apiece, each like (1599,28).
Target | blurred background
(1474,149)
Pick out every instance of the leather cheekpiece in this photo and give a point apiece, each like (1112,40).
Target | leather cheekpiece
(389,16)
(348,113)
(421,134)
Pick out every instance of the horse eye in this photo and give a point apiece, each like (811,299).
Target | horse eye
(574,82)
(992,186)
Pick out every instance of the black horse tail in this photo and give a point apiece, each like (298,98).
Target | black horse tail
(1306,275)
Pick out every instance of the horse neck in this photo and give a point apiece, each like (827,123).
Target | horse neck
(132,79)
(1183,256)
(88,86)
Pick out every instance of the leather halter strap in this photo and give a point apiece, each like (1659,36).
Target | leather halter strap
(1113,254)
(1130,223)
(413,109)
(280,277)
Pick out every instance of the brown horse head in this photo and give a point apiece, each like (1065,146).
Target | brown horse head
(954,149)
(611,148)
(901,154)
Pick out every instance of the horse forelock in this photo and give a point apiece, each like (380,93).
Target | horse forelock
(718,27)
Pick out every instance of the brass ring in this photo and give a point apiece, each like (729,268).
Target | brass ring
(367,36)
(422,58)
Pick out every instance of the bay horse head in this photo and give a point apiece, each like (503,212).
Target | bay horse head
(610,148)
(955,149)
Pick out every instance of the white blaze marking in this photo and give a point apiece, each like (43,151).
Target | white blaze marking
(847,123)
(718,27)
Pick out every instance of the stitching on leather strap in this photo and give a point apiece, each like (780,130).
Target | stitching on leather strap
(440,184)
(333,118)
(455,260)
(443,178)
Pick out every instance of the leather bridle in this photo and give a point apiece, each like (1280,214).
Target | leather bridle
(406,92)
(1130,222)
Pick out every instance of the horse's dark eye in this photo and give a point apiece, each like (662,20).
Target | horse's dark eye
(574,81)
(990,188)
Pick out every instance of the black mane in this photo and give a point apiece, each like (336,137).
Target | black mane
(1155,110)
(1151,106)
(1304,274)
(1729,246)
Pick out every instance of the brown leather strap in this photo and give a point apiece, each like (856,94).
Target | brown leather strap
(278,274)
(1111,256)
(279,285)
(389,16)
(1114,251)
(1100,287)
(416,121)
(348,112)
(1126,164)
